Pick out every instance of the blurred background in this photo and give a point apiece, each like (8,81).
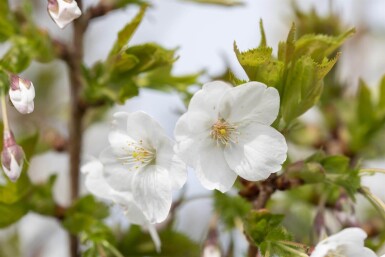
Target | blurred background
(204,36)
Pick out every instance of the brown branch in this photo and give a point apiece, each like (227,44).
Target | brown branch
(74,63)
(260,193)
(100,10)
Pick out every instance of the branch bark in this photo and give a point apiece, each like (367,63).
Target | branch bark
(260,193)
(74,64)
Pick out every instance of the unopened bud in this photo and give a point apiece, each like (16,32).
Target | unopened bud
(211,251)
(63,12)
(22,93)
(12,157)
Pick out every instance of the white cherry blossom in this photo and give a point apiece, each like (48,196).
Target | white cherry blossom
(96,184)
(226,132)
(141,160)
(63,12)
(22,94)
(347,243)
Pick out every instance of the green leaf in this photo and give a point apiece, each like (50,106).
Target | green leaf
(163,79)
(319,46)
(381,102)
(85,217)
(11,213)
(366,110)
(6,22)
(18,57)
(259,65)
(174,244)
(260,226)
(126,33)
(89,206)
(231,208)
(41,199)
(298,71)
(150,56)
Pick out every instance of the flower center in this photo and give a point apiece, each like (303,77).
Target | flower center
(137,156)
(224,132)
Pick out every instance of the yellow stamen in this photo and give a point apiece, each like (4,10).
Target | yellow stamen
(224,132)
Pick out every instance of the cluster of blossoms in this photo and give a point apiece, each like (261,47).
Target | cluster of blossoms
(226,132)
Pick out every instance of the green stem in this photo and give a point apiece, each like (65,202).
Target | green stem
(371,171)
(377,203)
(294,251)
(4,111)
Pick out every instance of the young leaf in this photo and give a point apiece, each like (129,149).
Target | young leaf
(126,33)
(231,208)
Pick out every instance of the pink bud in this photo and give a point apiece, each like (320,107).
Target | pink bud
(12,157)
(21,94)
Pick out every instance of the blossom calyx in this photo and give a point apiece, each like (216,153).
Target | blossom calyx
(21,94)
(12,157)
(63,12)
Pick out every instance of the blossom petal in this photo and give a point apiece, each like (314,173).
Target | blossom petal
(206,100)
(94,180)
(98,186)
(166,159)
(117,175)
(259,152)
(152,192)
(191,124)
(251,101)
(189,139)
(212,169)
(348,242)
(139,126)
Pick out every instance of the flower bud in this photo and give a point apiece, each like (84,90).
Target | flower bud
(22,93)
(12,157)
(63,12)
(211,251)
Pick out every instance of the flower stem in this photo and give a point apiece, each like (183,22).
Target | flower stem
(371,171)
(377,202)
(4,111)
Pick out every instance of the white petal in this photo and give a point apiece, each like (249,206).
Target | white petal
(117,175)
(251,101)
(193,123)
(352,250)
(190,148)
(15,169)
(259,152)
(206,100)
(94,181)
(152,192)
(98,186)
(349,235)
(66,14)
(212,169)
(141,127)
(23,98)
(350,241)
(188,139)
(166,158)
